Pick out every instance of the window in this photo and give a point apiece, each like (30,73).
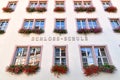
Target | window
(34,4)
(87,56)
(106,4)
(3,24)
(42,4)
(87,23)
(115,23)
(12,5)
(94,55)
(29,24)
(101,55)
(60,56)
(59,4)
(92,23)
(60,24)
(87,4)
(39,24)
(77,4)
(81,24)
(27,55)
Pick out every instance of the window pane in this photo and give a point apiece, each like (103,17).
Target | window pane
(97,51)
(89,51)
(57,52)
(63,53)
(84,60)
(57,60)
(105,60)
(63,61)
(102,52)
(90,61)
(115,23)
(21,51)
(83,51)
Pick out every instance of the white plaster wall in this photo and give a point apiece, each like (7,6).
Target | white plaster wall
(12,38)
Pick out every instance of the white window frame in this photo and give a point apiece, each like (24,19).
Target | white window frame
(94,56)
(116,21)
(59,4)
(25,57)
(60,56)
(3,24)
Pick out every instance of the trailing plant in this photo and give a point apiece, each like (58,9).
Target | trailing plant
(61,31)
(80,9)
(89,30)
(90,9)
(18,69)
(37,9)
(2,31)
(30,69)
(93,69)
(59,9)
(111,9)
(40,9)
(117,30)
(30,9)
(59,70)
(7,9)
(107,68)
(28,31)
(85,9)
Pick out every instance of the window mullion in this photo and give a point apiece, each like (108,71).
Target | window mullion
(60,57)
(101,57)
(27,55)
(94,56)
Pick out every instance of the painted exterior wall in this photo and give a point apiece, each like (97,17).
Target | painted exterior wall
(12,38)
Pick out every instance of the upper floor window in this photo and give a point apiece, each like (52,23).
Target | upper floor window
(77,4)
(32,53)
(87,23)
(42,4)
(88,26)
(59,4)
(87,4)
(60,24)
(10,7)
(28,24)
(39,6)
(94,55)
(81,6)
(108,6)
(33,4)
(3,25)
(81,23)
(39,24)
(115,23)
(60,56)
(32,26)
(92,23)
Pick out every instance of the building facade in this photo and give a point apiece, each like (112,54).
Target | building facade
(73,33)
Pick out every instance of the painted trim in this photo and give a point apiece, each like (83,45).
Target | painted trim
(66,50)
